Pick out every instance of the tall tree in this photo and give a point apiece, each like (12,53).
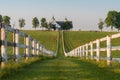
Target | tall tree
(111,18)
(49,26)
(67,25)
(1,19)
(100,24)
(21,23)
(6,20)
(44,23)
(117,21)
(35,22)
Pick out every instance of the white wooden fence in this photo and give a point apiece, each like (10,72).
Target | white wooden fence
(30,45)
(89,48)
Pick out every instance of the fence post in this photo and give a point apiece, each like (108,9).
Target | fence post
(33,48)
(108,50)
(80,52)
(98,49)
(27,50)
(77,52)
(41,50)
(74,52)
(86,50)
(14,44)
(83,51)
(4,43)
(38,48)
(17,45)
(91,51)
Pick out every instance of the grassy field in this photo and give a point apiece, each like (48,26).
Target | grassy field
(46,38)
(12,67)
(74,39)
(67,69)
(62,68)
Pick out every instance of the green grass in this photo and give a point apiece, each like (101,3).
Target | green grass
(46,38)
(67,69)
(62,68)
(74,39)
(60,46)
(12,67)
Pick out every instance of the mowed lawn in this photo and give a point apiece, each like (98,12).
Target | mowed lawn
(74,39)
(66,68)
(47,38)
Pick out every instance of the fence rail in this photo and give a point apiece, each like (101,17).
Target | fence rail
(31,46)
(89,48)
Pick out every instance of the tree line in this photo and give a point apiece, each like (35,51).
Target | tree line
(35,23)
(112,20)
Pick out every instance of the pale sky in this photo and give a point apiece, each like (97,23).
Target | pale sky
(85,14)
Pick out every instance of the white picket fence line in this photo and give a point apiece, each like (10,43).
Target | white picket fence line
(88,49)
(30,45)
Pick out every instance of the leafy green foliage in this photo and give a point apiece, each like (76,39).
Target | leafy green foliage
(1,19)
(6,20)
(117,22)
(100,24)
(113,19)
(35,22)
(21,23)
(44,23)
(50,26)
(67,25)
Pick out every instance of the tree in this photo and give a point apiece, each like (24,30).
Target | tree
(117,21)
(21,23)
(6,20)
(35,22)
(44,23)
(49,26)
(67,25)
(100,24)
(1,19)
(111,19)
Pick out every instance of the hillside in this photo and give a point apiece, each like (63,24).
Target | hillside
(46,38)
(74,39)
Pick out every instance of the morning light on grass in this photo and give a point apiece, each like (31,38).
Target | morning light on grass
(59,40)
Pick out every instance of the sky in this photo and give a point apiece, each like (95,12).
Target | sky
(85,14)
